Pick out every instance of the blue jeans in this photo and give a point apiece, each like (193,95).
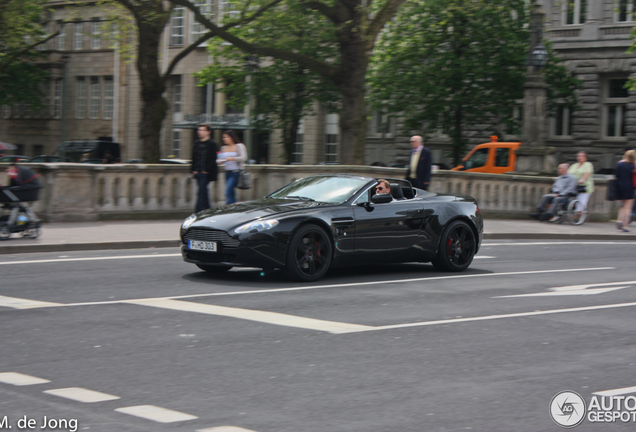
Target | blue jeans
(231,179)
(203,202)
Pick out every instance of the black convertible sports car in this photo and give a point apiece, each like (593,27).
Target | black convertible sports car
(325,221)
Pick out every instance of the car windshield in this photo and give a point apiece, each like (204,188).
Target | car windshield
(323,189)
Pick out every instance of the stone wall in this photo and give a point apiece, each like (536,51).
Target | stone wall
(80,192)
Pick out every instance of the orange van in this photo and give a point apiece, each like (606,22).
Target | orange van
(494,157)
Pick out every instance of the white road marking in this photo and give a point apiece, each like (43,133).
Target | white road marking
(576,290)
(81,394)
(18,303)
(483,257)
(18,379)
(155,413)
(616,392)
(225,429)
(494,317)
(562,243)
(254,315)
(89,259)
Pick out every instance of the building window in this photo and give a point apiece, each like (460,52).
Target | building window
(297,154)
(176,37)
(574,11)
(61,38)
(80,109)
(109,97)
(78,37)
(562,121)
(206,7)
(57,99)
(331,138)
(176,94)
(95,97)
(229,10)
(625,10)
(614,108)
(206,99)
(96,35)
(176,144)
(6,111)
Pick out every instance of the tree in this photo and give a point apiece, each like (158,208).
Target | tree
(284,90)
(21,22)
(449,64)
(353,26)
(150,18)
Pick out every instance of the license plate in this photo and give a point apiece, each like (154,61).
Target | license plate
(202,245)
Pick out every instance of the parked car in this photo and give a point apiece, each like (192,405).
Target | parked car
(47,158)
(494,157)
(15,158)
(325,221)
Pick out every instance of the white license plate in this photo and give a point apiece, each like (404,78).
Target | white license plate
(202,245)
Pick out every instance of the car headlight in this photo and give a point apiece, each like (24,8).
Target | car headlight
(186,223)
(257,226)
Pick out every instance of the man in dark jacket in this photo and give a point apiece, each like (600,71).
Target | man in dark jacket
(204,166)
(21,176)
(420,162)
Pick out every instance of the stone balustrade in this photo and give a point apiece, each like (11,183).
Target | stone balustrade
(80,192)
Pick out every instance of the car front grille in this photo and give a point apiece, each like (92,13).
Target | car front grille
(202,234)
(210,257)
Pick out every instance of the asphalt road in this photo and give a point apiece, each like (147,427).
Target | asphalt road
(385,348)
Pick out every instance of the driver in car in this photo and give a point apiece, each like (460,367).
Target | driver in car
(384,187)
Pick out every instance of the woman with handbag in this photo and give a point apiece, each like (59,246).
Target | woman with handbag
(624,173)
(233,155)
(583,170)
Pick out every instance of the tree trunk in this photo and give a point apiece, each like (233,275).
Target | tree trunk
(353,112)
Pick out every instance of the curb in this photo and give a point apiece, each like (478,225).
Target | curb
(557,236)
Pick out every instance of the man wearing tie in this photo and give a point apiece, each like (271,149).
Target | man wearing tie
(419,169)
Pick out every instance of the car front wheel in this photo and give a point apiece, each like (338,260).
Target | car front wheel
(308,254)
(456,249)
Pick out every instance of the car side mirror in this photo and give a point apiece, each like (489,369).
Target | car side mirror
(381,198)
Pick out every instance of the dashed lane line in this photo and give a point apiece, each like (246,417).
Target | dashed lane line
(255,315)
(18,379)
(155,413)
(561,243)
(616,392)
(81,394)
(19,303)
(225,429)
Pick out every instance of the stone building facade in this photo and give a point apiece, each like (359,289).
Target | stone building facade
(93,92)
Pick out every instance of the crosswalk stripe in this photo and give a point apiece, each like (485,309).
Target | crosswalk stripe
(616,392)
(225,429)
(254,315)
(18,379)
(81,395)
(155,413)
(19,303)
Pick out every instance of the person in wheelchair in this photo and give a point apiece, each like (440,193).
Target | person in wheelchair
(563,187)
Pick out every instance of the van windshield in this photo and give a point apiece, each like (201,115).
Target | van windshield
(477,159)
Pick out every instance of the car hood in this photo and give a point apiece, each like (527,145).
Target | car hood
(230,216)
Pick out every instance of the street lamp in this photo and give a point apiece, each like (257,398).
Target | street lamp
(539,57)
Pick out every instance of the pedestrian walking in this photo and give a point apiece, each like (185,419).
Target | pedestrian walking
(233,155)
(624,173)
(583,171)
(204,168)
(419,169)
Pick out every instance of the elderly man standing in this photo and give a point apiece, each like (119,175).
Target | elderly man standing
(562,187)
(419,169)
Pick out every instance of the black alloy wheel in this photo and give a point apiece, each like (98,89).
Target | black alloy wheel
(309,254)
(214,269)
(456,249)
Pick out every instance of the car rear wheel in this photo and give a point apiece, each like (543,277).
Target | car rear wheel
(456,249)
(308,254)
(214,269)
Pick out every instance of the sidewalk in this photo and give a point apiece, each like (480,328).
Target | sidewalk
(61,237)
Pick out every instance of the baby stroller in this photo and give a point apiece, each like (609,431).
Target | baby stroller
(15,215)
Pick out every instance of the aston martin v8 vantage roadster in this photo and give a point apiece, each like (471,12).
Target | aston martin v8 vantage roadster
(324,221)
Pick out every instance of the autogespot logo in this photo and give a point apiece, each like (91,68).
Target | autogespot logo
(567,409)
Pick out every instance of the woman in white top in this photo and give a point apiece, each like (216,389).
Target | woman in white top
(233,155)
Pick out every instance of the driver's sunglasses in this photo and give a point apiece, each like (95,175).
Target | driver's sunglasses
(379,188)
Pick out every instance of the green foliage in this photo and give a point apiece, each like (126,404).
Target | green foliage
(284,90)
(562,85)
(21,23)
(631,83)
(449,64)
